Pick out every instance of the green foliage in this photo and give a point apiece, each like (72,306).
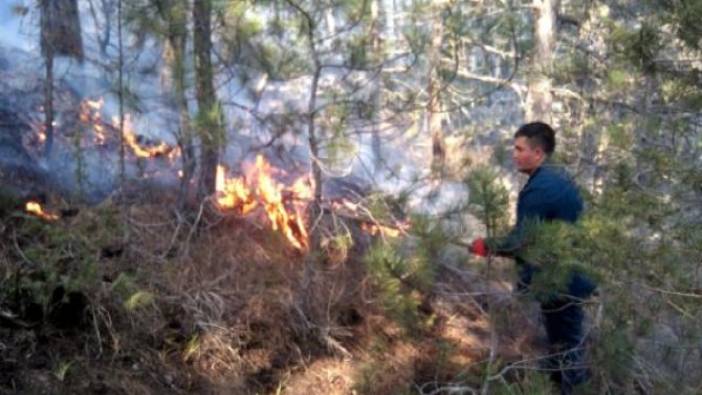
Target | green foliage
(375,374)
(8,202)
(399,280)
(639,47)
(68,258)
(501,155)
(682,90)
(533,383)
(61,370)
(560,249)
(488,199)
(432,238)
(619,79)
(573,66)
(338,149)
(614,351)
(159,18)
(124,286)
(358,51)
(192,347)
(133,298)
(59,259)
(684,16)
(281,63)
(138,300)
(386,208)
(356,10)
(620,135)
(418,35)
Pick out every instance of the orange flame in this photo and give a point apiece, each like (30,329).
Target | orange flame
(90,114)
(284,206)
(234,193)
(36,209)
(375,230)
(131,139)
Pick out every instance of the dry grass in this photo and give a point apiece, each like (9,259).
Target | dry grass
(211,304)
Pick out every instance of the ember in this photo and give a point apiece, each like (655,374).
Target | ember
(90,115)
(36,209)
(142,151)
(376,230)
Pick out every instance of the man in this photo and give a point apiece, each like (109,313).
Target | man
(548,195)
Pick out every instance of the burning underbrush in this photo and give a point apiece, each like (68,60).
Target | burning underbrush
(141,298)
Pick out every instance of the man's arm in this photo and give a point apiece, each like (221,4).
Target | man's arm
(532,207)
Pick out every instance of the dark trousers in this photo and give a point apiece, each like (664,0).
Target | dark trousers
(563,319)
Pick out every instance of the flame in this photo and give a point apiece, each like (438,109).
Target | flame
(90,113)
(95,104)
(284,206)
(375,230)
(234,193)
(173,154)
(35,208)
(131,139)
(391,228)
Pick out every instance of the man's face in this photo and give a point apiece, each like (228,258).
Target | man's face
(526,157)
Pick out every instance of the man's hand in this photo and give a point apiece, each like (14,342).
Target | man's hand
(478,247)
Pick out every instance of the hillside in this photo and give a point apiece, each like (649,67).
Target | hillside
(133,299)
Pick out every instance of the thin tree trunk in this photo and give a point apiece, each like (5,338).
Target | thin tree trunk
(539,98)
(311,115)
(433,109)
(376,97)
(60,36)
(312,135)
(312,138)
(175,16)
(120,93)
(312,102)
(49,102)
(209,125)
(48,28)
(186,133)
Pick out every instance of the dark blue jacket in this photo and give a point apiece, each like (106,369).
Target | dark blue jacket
(549,194)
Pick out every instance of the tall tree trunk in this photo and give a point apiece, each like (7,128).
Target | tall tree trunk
(376,95)
(433,110)
(538,101)
(175,16)
(60,35)
(120,93)
(312,134)
(209,125)
(49,102)
(391,30)
(185,137)
(48,31)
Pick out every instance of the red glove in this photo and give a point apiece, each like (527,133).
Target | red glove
(478,247)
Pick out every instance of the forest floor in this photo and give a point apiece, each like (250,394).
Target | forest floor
(128,298)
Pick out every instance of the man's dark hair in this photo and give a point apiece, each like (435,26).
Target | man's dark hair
(538,133)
